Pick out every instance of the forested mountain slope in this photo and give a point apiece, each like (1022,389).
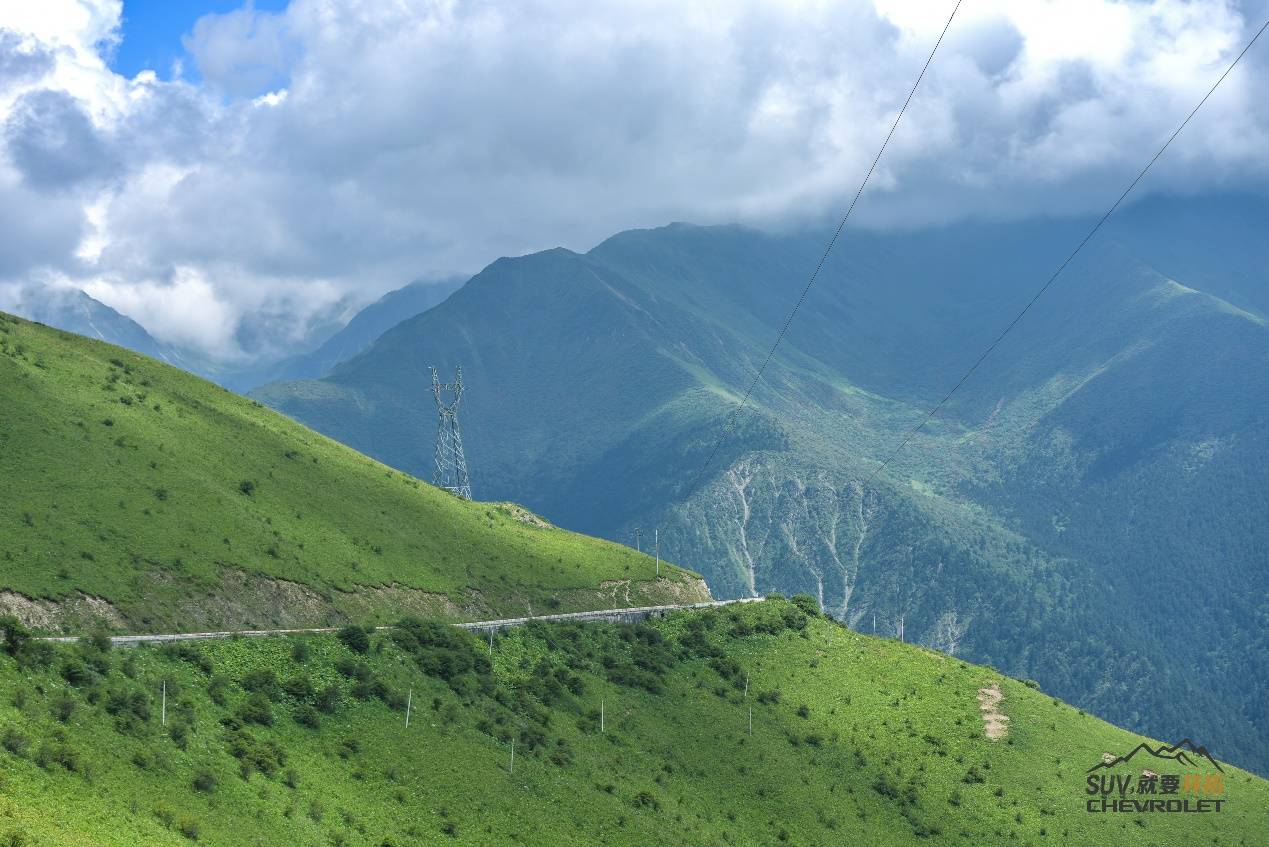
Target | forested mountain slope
(1108,459)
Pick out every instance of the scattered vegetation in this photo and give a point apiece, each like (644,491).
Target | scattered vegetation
(315,751)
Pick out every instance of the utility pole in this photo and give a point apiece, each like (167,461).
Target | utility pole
(746,686)
(638,538)
(163,712)
(751,721)
(513,753)
(491,642)
(657,536)
(601,715)
(409,701)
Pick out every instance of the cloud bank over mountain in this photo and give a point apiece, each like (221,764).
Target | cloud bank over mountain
(319,156)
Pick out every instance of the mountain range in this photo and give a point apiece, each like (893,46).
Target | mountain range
(327,344)
(142,498)
(1109,457)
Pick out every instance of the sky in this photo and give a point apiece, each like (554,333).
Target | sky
(234,175)
(150,34)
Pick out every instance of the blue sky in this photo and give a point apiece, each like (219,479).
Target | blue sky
(152,31)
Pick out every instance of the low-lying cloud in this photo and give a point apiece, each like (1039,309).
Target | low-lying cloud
(334,151)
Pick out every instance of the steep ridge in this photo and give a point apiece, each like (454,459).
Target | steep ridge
(144,498)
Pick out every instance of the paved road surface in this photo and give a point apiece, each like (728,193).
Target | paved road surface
(631,615)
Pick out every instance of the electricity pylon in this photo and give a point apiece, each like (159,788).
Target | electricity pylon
(451,465)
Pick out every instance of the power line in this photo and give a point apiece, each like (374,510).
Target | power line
(731,418)
(912,432)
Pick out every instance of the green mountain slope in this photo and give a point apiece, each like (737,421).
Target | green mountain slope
(1016,530)
(149,499)
(854,739)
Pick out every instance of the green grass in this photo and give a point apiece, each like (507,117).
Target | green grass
(184,506)
(888,750)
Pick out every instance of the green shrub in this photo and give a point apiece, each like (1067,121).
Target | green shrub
(188,653)
(645,800)
(205,781)
(189,827)
(165,814)
(306,715)
(58,753)
(63,706)
(15,633)
(299,687)
(15,741)
(253,753)
(807,604)
(218,690)
(349,747)
(355,638)
(36,654)
(440,650)
(75,672)
(327,699)
(263,681)
(99,641)
(885,786)
(354,669)
(256,709)
(129,706)
(726,666)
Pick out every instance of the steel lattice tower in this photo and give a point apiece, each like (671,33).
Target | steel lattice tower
(451,465)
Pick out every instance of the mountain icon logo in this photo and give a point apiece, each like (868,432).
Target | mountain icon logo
(1184,751)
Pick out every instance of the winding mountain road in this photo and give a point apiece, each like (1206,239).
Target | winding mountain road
(626,615)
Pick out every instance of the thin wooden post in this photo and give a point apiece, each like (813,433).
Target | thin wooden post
(409,701)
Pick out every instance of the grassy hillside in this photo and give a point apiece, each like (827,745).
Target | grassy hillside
(303,741)
(149,499)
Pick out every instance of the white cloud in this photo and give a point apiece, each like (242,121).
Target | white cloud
(185,309)
(335,150)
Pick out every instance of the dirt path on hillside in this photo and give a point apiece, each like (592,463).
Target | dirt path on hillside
(995,722)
